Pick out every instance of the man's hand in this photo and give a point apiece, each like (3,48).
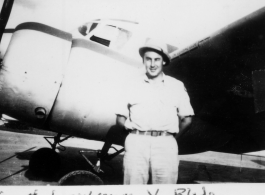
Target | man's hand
(120,120)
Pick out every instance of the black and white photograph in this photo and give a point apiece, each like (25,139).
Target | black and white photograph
(132,97)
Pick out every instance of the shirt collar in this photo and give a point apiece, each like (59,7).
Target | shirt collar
(145,77)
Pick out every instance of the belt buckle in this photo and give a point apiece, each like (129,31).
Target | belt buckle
(154,133)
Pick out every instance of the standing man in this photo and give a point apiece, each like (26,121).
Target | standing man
(156,107)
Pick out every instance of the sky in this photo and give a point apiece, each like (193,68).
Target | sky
(177,22)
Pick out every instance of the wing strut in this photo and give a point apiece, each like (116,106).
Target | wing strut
(4,15)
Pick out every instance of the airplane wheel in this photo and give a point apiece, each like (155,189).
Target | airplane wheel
(80,177)
(44,162)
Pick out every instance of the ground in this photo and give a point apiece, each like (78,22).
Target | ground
(16,148)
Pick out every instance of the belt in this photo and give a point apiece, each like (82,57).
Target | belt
(151,133)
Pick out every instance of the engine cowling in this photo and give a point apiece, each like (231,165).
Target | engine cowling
(32,72)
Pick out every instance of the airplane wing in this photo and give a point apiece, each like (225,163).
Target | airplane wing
(224,75)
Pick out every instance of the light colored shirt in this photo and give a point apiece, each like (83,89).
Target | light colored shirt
(155,107)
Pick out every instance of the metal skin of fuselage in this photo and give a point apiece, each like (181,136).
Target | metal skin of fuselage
(71,85)
(62,83)
(224,76)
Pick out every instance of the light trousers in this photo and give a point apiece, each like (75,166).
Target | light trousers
(155,156)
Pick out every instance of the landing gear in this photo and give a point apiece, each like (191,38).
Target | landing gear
(83,177)
(45,162)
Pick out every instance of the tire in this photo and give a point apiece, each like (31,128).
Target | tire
(80,177)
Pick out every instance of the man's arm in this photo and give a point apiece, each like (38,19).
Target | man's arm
(120,120)
(184,124)
(114,132)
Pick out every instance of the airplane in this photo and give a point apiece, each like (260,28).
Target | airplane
(71,83)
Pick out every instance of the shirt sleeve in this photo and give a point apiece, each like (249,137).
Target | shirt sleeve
(185,108)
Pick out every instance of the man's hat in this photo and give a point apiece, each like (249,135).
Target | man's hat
(160,48)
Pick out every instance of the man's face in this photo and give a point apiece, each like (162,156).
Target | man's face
(153,63)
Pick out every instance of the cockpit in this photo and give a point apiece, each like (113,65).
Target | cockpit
(121,36)
(108,35)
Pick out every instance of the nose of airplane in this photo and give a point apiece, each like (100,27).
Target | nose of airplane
(32,71)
